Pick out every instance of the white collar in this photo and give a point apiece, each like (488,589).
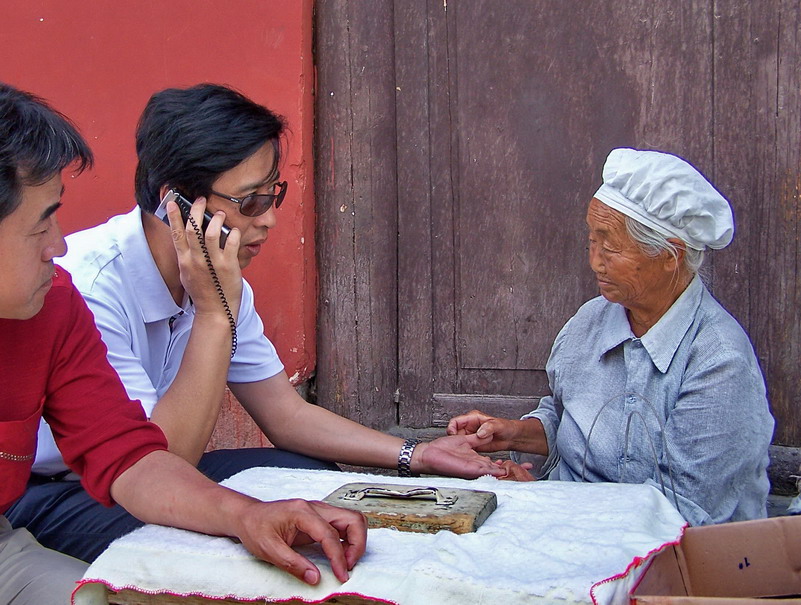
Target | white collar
(663,339)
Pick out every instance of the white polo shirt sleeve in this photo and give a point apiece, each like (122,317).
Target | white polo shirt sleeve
(255,358)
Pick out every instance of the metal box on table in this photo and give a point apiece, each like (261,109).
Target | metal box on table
(415,508)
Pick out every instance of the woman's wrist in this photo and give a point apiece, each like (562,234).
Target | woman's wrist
(529,436)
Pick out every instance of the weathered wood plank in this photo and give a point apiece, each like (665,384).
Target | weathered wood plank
(337,363)
(444,160)
(374,172)
(758,163)
(415,284)
(448,405)
(357,227)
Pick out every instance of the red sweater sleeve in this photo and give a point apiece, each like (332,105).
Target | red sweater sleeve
(98,429)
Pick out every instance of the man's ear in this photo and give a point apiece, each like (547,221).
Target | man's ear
(163,191)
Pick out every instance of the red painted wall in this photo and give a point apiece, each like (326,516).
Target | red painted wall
(98,62)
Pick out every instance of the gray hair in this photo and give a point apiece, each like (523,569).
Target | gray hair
(653,244)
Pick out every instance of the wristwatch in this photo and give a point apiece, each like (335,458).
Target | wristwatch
(405,458)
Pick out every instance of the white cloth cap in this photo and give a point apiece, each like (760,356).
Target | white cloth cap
(667,194)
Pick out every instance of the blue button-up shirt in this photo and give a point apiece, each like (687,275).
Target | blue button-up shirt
(683,408)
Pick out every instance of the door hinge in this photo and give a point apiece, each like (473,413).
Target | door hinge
(397,396)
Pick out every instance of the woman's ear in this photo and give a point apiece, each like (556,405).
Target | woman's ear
(672,263)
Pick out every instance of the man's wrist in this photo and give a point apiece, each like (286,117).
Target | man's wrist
(235,512)
(405,457)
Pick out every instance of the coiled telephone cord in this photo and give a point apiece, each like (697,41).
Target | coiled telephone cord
(217,285)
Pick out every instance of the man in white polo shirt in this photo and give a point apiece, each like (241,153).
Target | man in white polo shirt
(175,352)
(53,365)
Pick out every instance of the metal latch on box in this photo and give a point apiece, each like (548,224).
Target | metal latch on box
(420,493)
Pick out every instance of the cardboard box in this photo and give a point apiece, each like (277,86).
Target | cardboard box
(728,563)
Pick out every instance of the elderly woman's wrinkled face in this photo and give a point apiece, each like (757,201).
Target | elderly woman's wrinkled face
(625,275)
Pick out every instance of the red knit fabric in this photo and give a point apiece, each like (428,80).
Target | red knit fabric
(54,365)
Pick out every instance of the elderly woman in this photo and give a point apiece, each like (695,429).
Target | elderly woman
(654,381)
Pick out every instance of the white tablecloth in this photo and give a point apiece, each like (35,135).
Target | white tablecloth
(547,541)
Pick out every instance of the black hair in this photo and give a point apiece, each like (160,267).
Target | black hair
(36,143)
(186,138)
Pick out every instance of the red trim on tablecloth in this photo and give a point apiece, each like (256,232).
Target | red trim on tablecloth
(261,599)
(636,562)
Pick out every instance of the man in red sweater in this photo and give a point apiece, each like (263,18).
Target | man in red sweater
(53,365)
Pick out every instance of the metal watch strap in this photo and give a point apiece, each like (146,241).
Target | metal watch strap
(405,457)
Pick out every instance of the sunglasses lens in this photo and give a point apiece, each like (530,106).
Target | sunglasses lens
(256,204)
(259,203)
(281,193)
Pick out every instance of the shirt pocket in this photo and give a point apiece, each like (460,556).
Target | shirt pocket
(17,450)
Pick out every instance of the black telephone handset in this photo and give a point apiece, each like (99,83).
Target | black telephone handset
(185,205)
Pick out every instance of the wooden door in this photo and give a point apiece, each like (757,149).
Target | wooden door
(532,96)
(458,145)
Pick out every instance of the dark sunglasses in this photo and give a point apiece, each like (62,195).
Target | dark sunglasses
(256,204)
